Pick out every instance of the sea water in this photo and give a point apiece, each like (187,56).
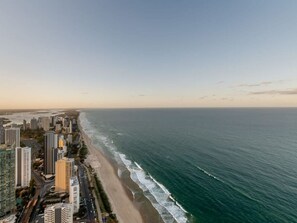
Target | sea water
(205,165)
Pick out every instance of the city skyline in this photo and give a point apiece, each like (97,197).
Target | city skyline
(108,54)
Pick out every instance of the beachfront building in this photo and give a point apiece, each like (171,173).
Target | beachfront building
(7,182)
(64,171)
(74,193)
(12,137)
(22,166)
(33,124)
(50,152)
(58,213)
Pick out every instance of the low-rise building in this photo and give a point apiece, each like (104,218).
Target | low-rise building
(58,213)
(74,197)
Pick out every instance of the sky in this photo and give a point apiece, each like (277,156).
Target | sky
(156,53)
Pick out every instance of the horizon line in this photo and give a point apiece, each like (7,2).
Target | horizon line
(92,108)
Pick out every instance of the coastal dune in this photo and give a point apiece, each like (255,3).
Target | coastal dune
(122,205)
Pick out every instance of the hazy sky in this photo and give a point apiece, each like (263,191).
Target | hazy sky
(153,53)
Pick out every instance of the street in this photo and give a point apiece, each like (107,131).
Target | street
(86,194)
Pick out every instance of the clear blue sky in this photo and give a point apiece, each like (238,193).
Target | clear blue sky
(148,53)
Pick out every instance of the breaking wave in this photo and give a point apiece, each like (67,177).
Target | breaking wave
(159,196)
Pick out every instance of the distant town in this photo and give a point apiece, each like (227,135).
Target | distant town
(43,174)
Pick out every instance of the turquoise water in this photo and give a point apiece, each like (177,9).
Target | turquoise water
(206,165)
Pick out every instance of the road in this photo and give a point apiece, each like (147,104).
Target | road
(42,188)
(28,211)
(86,194)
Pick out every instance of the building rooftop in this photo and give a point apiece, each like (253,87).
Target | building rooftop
(74,181)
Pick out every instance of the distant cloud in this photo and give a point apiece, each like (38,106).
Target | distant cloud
(203,97)
(263,83)
(220,82)
(276,92)
(84,92)
(141,95)
(226,99)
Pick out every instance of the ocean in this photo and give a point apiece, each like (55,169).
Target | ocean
(205,165)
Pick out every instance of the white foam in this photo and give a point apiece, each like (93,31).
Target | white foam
(168,208)
(120,172)
(138,165)
(157,193)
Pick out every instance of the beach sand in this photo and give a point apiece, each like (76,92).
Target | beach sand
(122,205)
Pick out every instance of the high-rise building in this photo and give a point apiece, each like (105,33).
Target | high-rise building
(74,193)
(65,122)
(7,182)
(58,127)
(64,171)
(1,121)
(22,166)
(70,126)
(44,123)
(2,134)
(12,137)
(24,124)
(54,120)
(58,213)
(50,152)
(69,138)
(33,124)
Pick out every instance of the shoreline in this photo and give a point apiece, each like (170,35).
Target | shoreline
(126,210)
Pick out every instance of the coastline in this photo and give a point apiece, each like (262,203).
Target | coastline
(122,204)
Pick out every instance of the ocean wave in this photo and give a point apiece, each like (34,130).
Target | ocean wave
(227,184)
(159,196)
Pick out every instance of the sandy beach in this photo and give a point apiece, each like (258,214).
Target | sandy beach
(122,204)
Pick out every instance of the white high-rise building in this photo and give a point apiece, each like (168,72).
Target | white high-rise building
(70,126)
(12,137)
(74,193)
(22,166)
(58,213)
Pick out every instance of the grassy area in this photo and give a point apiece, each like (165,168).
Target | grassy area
(37,134)
(103,200)
(83,152)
